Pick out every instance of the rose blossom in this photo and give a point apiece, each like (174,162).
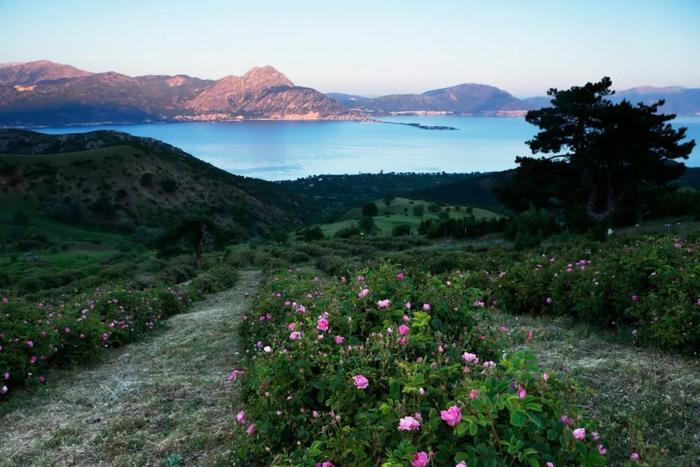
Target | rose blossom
(420,459)
(470,357)
(409,424)
(452,415)
(360,381)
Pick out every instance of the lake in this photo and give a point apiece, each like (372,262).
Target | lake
(280,150)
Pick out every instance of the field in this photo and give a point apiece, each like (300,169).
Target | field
(613,367)
(401,212)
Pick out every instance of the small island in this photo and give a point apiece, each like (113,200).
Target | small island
(420,125)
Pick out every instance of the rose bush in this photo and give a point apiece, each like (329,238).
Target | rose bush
(651,286)
(34,335)
(362,390)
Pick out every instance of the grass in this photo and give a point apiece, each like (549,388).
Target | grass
(400,212)
(644,400)
(163,400)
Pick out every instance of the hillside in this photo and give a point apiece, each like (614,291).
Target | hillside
(46,93)
(117,180)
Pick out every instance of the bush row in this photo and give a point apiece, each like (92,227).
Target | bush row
(396,369)
(36,335)
(650,287)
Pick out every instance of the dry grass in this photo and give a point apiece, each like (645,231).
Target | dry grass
(160,401)
(644,399)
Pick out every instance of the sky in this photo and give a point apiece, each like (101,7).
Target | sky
(369,47)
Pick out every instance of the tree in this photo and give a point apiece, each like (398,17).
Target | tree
(370,210)
(191,235)
(598,157)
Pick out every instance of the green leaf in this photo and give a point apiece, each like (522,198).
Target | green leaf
(518,418)
(462,428)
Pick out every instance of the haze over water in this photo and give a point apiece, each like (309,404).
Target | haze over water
(280,150)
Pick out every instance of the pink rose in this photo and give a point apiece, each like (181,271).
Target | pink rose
(420,459)
(240,417)
(452,416)
(403,329)
(339,339)
(470,357)
(579,433)
(360,381)
(292,326)
(426,307)
(295,335)
(384,304)
(322,324)
(409,424)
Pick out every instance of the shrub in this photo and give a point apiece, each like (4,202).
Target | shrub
(529,228)
(349,231)
(310,234)
(401,230)
(311,397)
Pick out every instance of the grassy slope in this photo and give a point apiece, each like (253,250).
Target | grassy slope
(400,213)
(159,399)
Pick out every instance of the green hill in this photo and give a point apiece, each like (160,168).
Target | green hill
(116,180)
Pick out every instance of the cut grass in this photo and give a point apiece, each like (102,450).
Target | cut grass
(644,400)
(151,402)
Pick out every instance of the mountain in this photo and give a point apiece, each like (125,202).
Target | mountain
(30,73)
(113,179)
(463,99)
(679,100)
(480,99)
(72,96)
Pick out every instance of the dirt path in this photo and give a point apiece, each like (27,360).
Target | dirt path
(160,401)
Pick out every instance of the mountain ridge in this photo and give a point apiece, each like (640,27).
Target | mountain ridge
(44,93)
(72,96)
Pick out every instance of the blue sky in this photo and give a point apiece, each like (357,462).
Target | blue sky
(369,47)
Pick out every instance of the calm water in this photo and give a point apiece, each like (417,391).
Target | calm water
(276,150)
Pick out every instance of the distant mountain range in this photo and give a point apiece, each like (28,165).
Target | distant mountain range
(44,93)
(484,100)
